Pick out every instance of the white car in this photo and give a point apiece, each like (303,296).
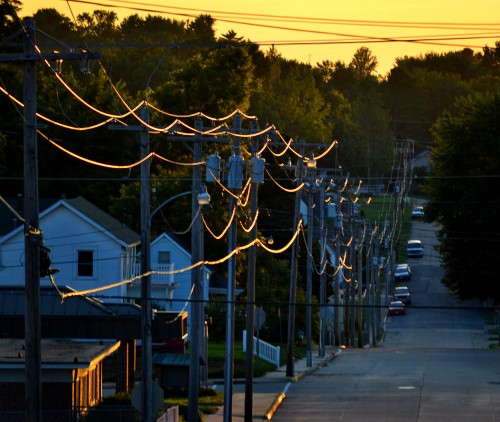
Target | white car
(402,273)
(418,212)
(414,249)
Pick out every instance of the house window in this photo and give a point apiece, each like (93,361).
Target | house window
(85,263)
(163,257)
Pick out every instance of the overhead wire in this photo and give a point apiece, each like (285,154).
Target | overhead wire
(115,166)
(289,190)
(228,225)
(47,119)
(235,251)
(354,37)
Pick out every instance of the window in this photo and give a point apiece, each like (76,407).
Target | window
(163,257)
(85,263)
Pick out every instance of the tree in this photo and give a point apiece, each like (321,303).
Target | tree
(364,62)
(9,10)
(288,97)
(216,84)
(100,24)
(58,26)
(417,95)
(464,196)
(376,140)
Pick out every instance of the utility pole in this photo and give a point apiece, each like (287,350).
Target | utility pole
(235,182)
(352,286)
(146,310)
(32,234)
(309,269)
(336,287)
(196,314)
(322,276)
(293,271)
(32,320)
(196,281)
(257,177)
(369,286)
(360,287)
(376,263)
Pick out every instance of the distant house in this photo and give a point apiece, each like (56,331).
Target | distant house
(423,160)
(169,288)
(90,248)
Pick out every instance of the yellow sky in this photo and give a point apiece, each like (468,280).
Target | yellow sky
(330,29)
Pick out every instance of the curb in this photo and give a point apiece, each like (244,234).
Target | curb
(276,403)
(281,396)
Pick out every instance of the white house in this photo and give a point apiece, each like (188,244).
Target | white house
(171,282)
(90,248)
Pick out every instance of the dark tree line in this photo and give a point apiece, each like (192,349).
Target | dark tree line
(183,67)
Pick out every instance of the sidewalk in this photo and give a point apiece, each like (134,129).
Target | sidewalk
(270,390)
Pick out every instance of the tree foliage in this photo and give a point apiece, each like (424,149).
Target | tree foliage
(181,67)
(465,194)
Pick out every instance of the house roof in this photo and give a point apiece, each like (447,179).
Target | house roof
(175,240)
(105,220)
(79,205)
(12,300)
(9,222)
(173,359)
(83,317)
(57,353)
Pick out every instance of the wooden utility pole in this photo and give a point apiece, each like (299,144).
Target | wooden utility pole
(234,183)
(257,177)
(293,271)
(146,309)
(32,234)
(32,319)
(360,287)
(197,320)
(322,275)
(309,271)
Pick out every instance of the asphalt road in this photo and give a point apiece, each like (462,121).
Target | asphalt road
(434,364)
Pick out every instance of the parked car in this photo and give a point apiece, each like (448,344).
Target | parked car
(403,294)
(414,248)
(396,307)
(417,213)
(402,272)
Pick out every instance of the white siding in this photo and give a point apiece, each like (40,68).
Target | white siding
(180,259)
(65,233)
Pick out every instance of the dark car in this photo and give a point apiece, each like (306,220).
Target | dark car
(403,294)
(402,273)
(396,307)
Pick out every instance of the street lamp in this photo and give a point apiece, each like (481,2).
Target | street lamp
(202,198)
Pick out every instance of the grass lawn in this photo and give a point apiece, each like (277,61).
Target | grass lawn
(217,356)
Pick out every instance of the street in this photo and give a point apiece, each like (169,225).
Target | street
(434,364)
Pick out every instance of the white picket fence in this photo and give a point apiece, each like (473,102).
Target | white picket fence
(263,350)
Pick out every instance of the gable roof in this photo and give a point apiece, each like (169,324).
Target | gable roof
(80,206)
(175,240)
(105,220)
(9,222)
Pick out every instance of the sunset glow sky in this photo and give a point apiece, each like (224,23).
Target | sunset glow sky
(318,30)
